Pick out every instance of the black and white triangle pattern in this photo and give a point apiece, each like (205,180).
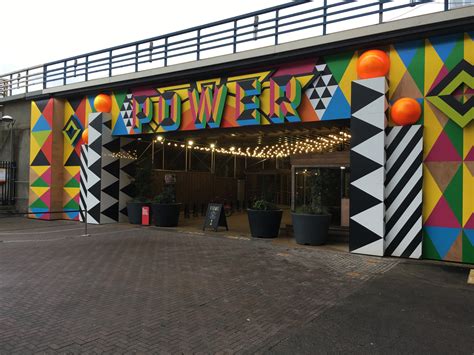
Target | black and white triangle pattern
(322,89)
(126,112)
(105,177)
(403,191)
(109,198)
(94,167)
(126,166)
(368,109)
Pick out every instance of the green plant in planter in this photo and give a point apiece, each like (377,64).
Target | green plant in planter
(264,205)
(141,184)
(318,189)
(165,197)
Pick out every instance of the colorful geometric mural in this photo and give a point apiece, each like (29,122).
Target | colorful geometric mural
(448,149)
(437,72)
(41,144)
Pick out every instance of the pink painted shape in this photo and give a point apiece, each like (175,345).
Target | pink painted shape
(442,73)
(470,222)
(470,155)
(442,216)
(443,150)
(46,198)
(302,67)
(47,176)
(144,92)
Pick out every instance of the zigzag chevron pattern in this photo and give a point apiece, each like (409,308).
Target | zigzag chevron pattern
(403,191)
(127,167)
(109,202)
(369,106)
(94,168)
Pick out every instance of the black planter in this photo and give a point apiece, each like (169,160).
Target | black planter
(264,224)
(134,211)
(166,214)
(310,229)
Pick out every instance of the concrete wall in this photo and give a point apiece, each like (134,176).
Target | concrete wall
(20,111)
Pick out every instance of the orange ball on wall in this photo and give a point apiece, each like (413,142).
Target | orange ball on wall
(405,111)
(103,103)
(85,136)
(372,64)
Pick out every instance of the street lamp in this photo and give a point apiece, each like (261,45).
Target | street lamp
(9,119)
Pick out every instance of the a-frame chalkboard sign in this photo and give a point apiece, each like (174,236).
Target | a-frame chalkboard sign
(215,217)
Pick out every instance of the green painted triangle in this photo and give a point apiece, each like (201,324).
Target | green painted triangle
(453,194)
(456,55)
(39,204)
(338,64)
(416,68)
(41,136)
(39,182)
(72,183)
(428,249)
(71,205)
(467,250)
(455,134)
(120,98)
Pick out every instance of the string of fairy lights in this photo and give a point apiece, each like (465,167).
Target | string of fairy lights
(318,144)
(284,149)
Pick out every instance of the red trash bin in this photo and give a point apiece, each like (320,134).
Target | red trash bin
(146,215)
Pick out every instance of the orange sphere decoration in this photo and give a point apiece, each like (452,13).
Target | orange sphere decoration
(405,111)
(85,136)
(103,103)
(372,64)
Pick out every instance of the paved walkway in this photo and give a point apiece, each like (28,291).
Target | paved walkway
(141,290)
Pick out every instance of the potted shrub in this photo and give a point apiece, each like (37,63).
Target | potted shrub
(264,219)
(140,189)
(311,221)
(165,210)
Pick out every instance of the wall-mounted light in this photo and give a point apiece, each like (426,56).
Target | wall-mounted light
(190,143)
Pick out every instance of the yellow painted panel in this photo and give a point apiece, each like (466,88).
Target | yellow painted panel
(468,49)
(350,74)
(39,191)
(468,140)
(468,193)
(39,170)
(71,191)
(433,65)
(397,71)
(35,113)
(72,170)
(431,193)
(431,130)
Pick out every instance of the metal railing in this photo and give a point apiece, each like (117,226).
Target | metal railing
(195,43)
(7,183)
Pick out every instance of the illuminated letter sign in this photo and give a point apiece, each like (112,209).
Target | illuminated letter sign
(208,108)
(285,97)
(247,102)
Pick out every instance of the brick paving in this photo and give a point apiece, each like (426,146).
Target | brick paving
(142,290)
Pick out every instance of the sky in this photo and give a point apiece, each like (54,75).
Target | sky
(53,29)
(39,31)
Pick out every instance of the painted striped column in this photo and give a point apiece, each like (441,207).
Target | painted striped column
(403,191)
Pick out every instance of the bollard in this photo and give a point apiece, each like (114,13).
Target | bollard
(85,225)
